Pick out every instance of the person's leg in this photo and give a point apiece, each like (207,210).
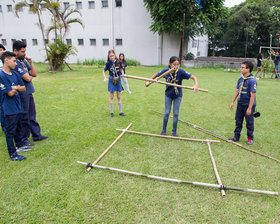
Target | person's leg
(34,125)
(119,94)
(11,125)
(3,119)
(25,122)
(239,117)
(126,84)
(167,109)
(250,124)
(111,98)
(176,107)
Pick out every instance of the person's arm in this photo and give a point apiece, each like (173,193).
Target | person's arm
(32,71)
(234,98)
(104,75)
(195,86)
(15,90)
(252,99)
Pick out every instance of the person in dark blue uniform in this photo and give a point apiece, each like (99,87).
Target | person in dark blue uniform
(259,66)
(124,65)
(174,94)
(26,68)
(276,63)
(114,83)
(3,119)
(246,89)
(10,85)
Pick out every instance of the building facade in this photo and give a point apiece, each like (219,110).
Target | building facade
(122,25)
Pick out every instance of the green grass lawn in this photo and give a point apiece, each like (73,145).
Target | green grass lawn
(73,110)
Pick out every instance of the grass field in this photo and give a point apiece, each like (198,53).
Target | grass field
(73,110)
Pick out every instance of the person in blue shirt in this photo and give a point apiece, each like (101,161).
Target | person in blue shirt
(26,68)
(259,66)
(276,63)
(10,85)
(245,91)
(124,65)
(3,120)
(114,67)
(174,94)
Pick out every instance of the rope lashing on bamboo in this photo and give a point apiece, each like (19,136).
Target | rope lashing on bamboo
(221,137)
(221,187)
(163,83)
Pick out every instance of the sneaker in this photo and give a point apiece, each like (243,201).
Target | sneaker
(122,114)
(17,157)
(250,141)
(23,149)
(29,143)
(129,92)
(111,114)
(42,137)
(233,139)
(163,133)
(174,134)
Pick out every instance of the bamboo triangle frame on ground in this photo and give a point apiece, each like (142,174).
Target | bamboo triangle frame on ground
(221,137)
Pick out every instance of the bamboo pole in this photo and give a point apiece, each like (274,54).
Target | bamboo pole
(215,169)
(170,137)
(103,154)
(164,83)
(223,138)
(181,181)
(147,84)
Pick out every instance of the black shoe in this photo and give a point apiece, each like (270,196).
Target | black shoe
(111,114)
(233,139)
(29,143)
(122,114)
(42,137)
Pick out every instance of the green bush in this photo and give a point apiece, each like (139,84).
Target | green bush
(188,56)
(131,62)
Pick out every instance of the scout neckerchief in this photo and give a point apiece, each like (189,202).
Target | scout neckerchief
(242,84)
(24,65)
(173,80)
(115,70)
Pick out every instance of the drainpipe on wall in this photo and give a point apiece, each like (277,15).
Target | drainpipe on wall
(160,48)
(112,25)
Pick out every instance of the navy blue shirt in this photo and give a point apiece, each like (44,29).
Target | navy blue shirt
(11,104)
(276,60)
(22,68)
(249,85)
(113,68)
(170,90)
(124,64)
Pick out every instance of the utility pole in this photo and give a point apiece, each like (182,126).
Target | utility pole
(247,37)
(183,39)
(213,43)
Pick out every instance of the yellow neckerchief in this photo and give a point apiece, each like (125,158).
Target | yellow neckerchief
(24,66)
(242,84)
(173,80)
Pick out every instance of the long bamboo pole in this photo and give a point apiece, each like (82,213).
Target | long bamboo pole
(164,83)
(223,138)
(215,169)
(170,137)
(181,181)
(147,84)
(106,150)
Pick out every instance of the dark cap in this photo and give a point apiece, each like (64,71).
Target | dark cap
(2,46)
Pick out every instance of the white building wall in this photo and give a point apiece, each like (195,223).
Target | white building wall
(130,23)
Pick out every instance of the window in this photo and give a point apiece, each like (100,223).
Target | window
(104,3)
(23,40)
(105,42)
(79,5)
(4,41)
(91,4)
(0,8)
(20,9)
(43,6)
(34,42)
(10,8)
(92,42)
(194,43)
(69,41)
(46,41)
(118,3)
(13,40)
(119,42)
(66,4)
(80,42)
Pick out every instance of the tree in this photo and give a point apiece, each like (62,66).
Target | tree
(167,16)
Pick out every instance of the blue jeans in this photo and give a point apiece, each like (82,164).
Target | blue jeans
(276,66)
(13,131)
(176,107)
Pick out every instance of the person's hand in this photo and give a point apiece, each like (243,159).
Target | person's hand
(195,88)
(105,79)
(29,59)
(231,106)
(249,112)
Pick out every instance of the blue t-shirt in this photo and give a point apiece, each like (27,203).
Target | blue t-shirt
(170,91)
(22,68)
(259,64)
(124,65)
(113,68)
(276,60)
(249,85)
(1,64)
(11,104)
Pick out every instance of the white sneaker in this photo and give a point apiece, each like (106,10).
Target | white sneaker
(23,149)
(129,92)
